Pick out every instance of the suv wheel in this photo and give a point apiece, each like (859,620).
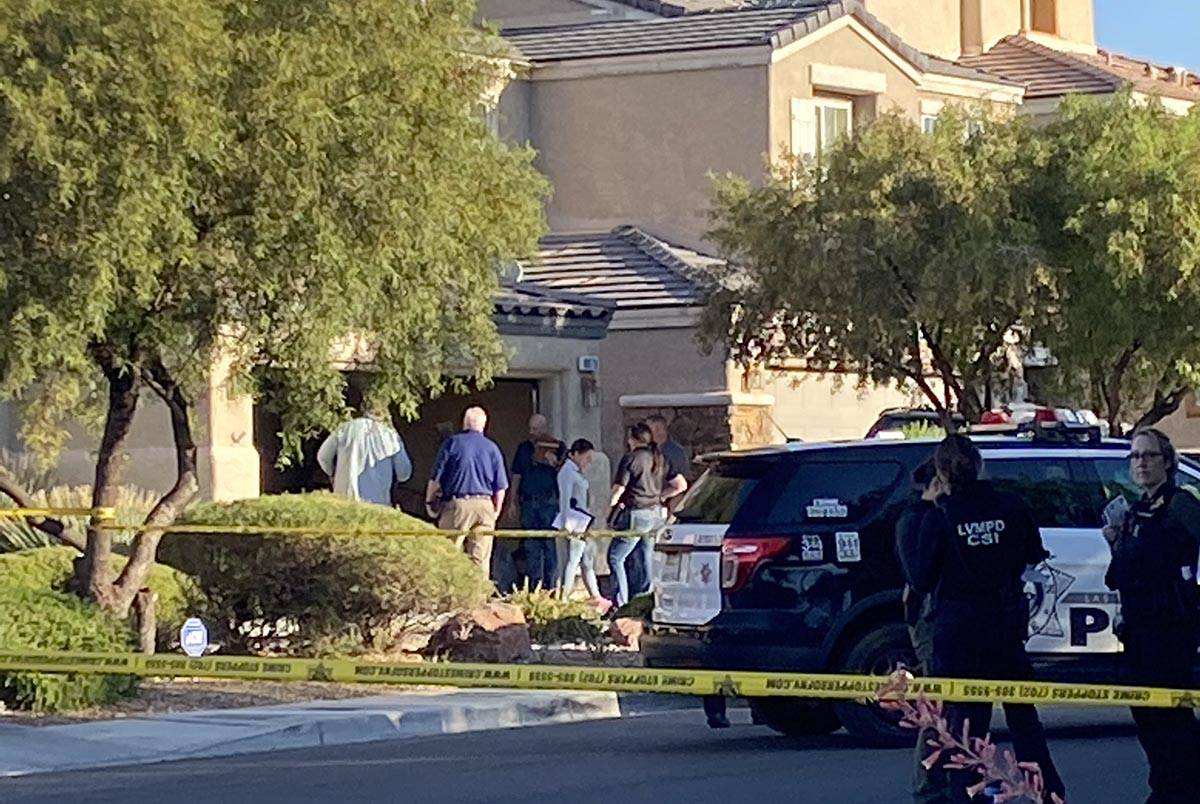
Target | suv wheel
(877,652)
(795,717)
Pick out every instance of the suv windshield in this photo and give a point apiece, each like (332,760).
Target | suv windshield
(717,495)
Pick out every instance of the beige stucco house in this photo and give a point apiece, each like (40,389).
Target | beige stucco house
(633,106)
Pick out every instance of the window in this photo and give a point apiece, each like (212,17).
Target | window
(719,493)
(833,123)
(818,123)
(1055,494)
(1045,16)
(816,494)
(929,123)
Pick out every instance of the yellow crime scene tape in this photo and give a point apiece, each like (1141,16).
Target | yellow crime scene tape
(109,514)
(748,684)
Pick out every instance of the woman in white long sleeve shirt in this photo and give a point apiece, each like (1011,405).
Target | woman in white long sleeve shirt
(573,496)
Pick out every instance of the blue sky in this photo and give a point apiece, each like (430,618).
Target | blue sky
(1166,31)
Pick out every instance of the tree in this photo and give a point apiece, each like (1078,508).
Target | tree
(183,184)
(898,256)
(1120,214)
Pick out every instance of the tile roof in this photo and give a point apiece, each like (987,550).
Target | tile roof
(718,29)
(625,266)
(533,310)
(1049,73)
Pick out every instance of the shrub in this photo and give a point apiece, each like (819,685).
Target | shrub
(133,504)
(316,592)
(552,619)
(39,619)
(50,568)
(639,608)
(916,431)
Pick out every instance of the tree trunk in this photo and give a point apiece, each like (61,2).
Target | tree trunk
(1112,389)
(1162,407)
(187,486)
(146,612)
(10,487)
(93,570)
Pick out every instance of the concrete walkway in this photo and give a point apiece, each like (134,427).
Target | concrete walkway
(213,733)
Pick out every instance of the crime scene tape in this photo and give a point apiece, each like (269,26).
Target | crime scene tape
(737,683)
(293,530)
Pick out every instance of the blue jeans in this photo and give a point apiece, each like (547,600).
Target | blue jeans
(641,548)
(581,555)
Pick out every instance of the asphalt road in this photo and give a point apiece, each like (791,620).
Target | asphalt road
(652,759)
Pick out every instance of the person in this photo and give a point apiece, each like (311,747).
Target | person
(365,456)
(533,504)
(972,550)
(466,489)
(599,478)
(677,464)
(1155,546)
(641,488)
(928,783)
(573,497)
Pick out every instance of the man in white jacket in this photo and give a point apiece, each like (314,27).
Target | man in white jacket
(365,457)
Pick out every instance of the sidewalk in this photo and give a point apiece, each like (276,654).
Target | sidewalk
(160,738)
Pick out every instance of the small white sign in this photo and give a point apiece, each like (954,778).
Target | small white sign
(826,508)
(193,637)
(848,547)
(811,548)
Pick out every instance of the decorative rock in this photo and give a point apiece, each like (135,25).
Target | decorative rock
(627,632)
(496,633)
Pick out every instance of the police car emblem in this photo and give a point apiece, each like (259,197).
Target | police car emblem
(1045,587)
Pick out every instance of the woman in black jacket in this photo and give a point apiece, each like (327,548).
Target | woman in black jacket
(1155,547)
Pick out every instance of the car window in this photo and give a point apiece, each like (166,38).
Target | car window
(1057,497)
(716,496)
(823,493)
(1114,477)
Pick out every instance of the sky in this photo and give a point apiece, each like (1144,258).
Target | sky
(1165,31)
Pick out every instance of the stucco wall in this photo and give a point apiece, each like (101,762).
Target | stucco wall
(815,408)
(1183,426)
(513,112)
(554,363)
(665,361)
(1077,21)
(998,19)
(937,29)
(640,148)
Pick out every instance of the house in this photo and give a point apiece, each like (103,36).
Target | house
(634,105)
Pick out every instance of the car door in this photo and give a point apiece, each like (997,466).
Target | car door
(1070,609)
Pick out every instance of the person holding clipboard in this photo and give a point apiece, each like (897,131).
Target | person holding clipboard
(574,518)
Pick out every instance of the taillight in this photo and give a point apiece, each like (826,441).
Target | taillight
(741,554)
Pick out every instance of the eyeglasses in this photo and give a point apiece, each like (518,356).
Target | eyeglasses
(1144,456)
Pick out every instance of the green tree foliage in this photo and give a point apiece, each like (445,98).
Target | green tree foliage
(898,254)
(1120,199)
(187,182)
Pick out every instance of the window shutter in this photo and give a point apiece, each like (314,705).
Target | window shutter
(804,127)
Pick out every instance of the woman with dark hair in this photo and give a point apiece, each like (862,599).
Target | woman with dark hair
(972,550)
(572,500)
(1155,547)
(639,493)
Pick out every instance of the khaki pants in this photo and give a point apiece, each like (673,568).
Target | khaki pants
(467,514)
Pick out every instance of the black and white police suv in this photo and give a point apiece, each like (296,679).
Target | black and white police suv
(783,558)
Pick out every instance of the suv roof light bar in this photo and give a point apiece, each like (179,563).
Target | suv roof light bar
(1048,432)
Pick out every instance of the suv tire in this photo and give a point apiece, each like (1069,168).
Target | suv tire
(877,652)
(796,717)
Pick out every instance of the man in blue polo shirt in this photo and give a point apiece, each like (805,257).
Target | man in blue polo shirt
(466,491)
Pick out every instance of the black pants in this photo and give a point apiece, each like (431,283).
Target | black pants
(714,706)
(963,650)
(1161,655)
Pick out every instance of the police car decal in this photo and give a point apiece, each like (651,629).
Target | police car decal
(827,508)
(848,547)
(1045,588)
(811,548)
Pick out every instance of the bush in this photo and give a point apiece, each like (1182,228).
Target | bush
(39,619)
(315,592)
(132,506)
(639,608)
(552,619)
(50,568)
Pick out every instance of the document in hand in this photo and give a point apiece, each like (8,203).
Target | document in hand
(1115,511)
(574,521)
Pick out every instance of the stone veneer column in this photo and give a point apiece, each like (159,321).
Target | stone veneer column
(707,422)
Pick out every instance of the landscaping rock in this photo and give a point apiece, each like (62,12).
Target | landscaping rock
(627,632)
(496,632)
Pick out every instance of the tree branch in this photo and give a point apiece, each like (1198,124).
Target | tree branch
(1112,386)
(10,487)
(1163,406)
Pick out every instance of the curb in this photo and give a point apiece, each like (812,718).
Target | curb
(26,750)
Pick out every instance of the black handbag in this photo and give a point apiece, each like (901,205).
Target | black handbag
(619,518)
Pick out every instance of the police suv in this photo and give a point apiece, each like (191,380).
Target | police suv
(783,558)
